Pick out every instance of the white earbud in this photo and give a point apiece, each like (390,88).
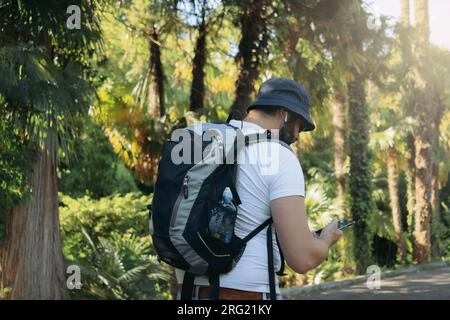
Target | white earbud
(285,117)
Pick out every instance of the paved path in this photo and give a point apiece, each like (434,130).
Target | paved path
(426,284)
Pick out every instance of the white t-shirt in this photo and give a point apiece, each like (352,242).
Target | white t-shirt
(270,171)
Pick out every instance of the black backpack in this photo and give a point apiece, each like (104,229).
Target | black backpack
(198,167)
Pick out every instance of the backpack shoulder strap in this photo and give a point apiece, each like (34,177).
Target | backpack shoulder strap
(264,137)
(270,266)
(258,230)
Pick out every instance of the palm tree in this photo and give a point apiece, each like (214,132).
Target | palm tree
(199,62)
(338,109)
(253,21)
(135,118)
(387,142)
(360,180)
(151,20)
(423,93)
(405,80)
(441,80)
(394,201)
(44,90)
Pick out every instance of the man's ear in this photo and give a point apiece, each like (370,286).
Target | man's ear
(282,114)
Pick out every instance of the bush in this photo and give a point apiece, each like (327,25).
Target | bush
(97,171)
(109,240)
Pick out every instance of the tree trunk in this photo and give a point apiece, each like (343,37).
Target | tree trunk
(410,189)
(198,72)
(436,219)
(435,202)
(405,13)
(360,177)
(435,198)
(252,44)
(409,172)
(423,193)
(423,136)
(410,178)
(410,151)
(394,202)
(155,95)
(31,259)
(338,108)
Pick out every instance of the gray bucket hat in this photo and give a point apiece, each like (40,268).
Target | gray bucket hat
(288,94)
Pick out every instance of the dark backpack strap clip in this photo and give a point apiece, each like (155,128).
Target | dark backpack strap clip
(282,267)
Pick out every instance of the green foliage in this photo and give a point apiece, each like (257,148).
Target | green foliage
(446,233)
(122,108)
(109,239)
(49,74)
(97,171)
(317,160)
(321,208)
(103,217)
(45,83)
(136,136)
(45,70)
(4,293)
(122,268)
(16,159)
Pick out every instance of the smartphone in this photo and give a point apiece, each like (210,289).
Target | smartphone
(342,224)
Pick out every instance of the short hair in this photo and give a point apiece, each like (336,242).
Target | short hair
(269,110)
(272,110)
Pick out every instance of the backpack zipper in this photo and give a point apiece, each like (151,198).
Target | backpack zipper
(184,193)
(212,252)
(185,187)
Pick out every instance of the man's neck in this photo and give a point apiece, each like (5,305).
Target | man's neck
(264,123)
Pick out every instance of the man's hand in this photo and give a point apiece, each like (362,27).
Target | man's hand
(331,234)
(301,249)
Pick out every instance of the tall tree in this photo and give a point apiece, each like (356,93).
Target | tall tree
(44,88)
(152,20)
(339,133)
(392,175)
(253,21)
(405,8)
(423,94)
(155,77)
(134,118)
(406,83)
(32,262)
(360,180)
(331,19)
(441,80)
(347,38)
(198,63)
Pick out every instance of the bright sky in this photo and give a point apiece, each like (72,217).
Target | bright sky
(439,11)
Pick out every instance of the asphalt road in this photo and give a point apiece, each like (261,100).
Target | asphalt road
(428,284)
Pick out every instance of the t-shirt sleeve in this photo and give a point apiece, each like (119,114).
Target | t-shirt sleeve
(288,180)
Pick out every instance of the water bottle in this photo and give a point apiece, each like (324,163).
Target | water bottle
(223,218)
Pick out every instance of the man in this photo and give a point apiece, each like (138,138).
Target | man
(281,104)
